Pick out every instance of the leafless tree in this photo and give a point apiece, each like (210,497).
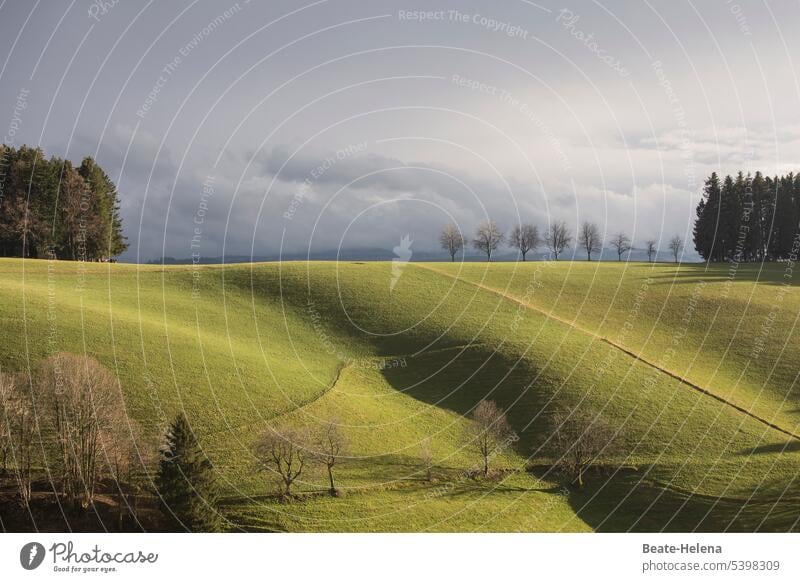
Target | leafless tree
(285,454)
(6,394)
(589,239)
(488,238)
(489,431)
(525,238)
(557,238)
(23,434)
(577,441)
(676,246)
(76,219)
(451,240)
(621,243)
(330,448)
(83,404)
(427,457)
(651,248)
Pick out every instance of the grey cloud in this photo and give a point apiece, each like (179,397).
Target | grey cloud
(627,163)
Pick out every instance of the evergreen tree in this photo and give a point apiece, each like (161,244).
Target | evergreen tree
(23,232)
(744,196)
(784,225)
(186,481)
(757,234)
(699,230)
(748,218)
(109,240)
(707,218)
(729,219)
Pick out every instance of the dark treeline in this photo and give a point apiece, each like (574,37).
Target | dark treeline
(748,218)
(51,209)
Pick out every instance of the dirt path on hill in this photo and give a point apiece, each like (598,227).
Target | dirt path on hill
(637,357)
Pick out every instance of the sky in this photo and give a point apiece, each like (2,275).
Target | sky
(262,128)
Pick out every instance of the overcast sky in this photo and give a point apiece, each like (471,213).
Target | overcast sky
(250,127)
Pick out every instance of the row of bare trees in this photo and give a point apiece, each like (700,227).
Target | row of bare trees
(577,440)
(68,420)
(556,239)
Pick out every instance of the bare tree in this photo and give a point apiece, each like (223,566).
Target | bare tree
(488,431)
(676,246)
(331,446)
(651,248)
(427,457)
(83,404)
(525,238)
(488,238)
(23,433)
(577,441)
(285,454)
(6,394)
(557,238)
(589,239)
(621,243)
(451,240)
(76,219)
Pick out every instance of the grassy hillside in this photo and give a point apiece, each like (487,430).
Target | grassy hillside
(694,369)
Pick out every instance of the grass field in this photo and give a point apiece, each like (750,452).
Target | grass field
(695,367)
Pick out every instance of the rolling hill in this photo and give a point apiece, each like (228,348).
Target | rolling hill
(694,367)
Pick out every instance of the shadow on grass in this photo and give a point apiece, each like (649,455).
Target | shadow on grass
(459,381)
(787,447)
(626,502)
(769,273)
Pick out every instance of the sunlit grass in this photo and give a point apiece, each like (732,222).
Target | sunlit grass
(244,347)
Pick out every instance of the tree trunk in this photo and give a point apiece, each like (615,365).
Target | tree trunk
(330,476)
(134,505)
(485,465)
(119,510)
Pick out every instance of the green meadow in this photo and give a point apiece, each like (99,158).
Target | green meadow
(694,366)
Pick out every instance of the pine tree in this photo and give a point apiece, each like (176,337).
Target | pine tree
(785,227)
(707,216)
(23,173)
(108,240)
(699,230)
(743,194)
(186,481)
(757,234)
(729,219)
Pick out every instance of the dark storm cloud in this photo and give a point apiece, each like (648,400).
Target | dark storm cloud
(505,110)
